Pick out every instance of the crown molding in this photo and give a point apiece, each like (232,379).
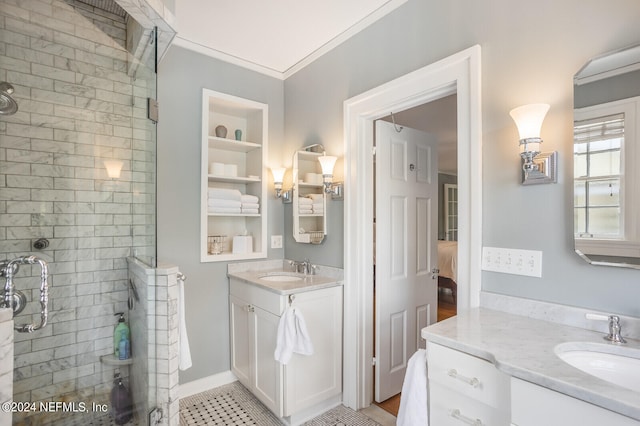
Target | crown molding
(284,74)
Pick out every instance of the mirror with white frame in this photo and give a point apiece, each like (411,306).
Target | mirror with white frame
(309,198)
(606,158)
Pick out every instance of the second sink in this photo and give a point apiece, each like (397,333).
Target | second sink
(614,364)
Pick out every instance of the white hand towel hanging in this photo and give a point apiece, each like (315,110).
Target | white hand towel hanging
(185,351)
(413,402)
(292,336)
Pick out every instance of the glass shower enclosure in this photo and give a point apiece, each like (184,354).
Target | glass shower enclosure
(77,206)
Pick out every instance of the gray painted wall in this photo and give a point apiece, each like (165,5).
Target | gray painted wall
(530,51)
(181,77)
(530,56)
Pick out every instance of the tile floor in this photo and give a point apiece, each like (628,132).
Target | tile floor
(232,404)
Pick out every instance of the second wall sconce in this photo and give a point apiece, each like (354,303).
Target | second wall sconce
(537,167)
(327,162)
(278,179)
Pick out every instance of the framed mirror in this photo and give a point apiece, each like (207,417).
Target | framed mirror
(309,198)
(606,158)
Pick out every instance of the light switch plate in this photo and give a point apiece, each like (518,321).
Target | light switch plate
(276,241)
(512,261)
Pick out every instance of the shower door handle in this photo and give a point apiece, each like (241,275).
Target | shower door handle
(9,271)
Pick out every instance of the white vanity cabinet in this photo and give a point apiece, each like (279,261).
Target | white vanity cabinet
(534,405)
(464,389)
(306,381)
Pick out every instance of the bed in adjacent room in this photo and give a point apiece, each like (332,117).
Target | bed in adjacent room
(448,266)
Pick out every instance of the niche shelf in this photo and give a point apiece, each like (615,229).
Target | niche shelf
(239,165)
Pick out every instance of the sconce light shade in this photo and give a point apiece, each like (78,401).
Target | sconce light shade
(326,163)
(278,174)
(278,178)
(529,120)
(113,168)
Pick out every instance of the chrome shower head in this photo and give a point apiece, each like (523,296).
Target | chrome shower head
(8,105)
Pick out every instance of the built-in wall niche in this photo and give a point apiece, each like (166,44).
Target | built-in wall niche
(233,185)
(309,198)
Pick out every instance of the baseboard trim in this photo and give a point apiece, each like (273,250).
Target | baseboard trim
(206,383)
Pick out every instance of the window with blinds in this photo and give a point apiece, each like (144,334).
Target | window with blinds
(598,196)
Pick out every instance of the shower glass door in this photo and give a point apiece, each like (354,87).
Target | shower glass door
(77,194)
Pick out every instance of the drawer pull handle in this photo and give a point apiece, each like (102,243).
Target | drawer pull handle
(456,414)
(472,381)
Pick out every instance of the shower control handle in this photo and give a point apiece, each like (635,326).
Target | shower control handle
(9,271)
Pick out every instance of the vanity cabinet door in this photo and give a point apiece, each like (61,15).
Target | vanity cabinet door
(309,380)
(559,409)
(253,342)
(267,381)
(240,352)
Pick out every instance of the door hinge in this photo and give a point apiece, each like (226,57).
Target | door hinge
(374,361)
(152,109)
(373,151)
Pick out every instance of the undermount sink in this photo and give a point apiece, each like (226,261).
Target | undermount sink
(281,278)
(612,363)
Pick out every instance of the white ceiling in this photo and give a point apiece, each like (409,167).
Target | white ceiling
(276,37)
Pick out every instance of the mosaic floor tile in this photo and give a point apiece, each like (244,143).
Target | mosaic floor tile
(234,405)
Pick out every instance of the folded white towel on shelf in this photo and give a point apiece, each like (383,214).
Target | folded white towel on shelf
(305,211)
(316,197)
(305,200)
(224,194)
(217,202)
(225,210)
(184,357)
(413,402)
(246,198)
(292,336)
(250,206)
(250,211)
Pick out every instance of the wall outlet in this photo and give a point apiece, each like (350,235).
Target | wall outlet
(276,241)
(512,261)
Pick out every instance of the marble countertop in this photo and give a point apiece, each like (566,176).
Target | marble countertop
(524,348)
(306,282)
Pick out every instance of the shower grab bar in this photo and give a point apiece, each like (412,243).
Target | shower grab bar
(9,269)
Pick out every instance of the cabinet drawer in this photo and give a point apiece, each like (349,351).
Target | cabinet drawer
(470,376)
(450,408)
(254,295)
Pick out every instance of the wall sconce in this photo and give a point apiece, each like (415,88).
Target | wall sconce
(113,168)
(537,167)
(278,178)
(327,163)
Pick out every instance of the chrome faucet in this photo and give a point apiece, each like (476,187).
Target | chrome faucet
(614,335)
(304,267)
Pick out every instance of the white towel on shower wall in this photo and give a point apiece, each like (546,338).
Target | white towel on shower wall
(413,402)
(185,352)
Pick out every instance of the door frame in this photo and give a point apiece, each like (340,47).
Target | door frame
(459,73)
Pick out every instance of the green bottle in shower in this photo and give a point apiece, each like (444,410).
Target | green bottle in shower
(121,329)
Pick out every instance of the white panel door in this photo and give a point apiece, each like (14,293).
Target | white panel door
(406,238)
